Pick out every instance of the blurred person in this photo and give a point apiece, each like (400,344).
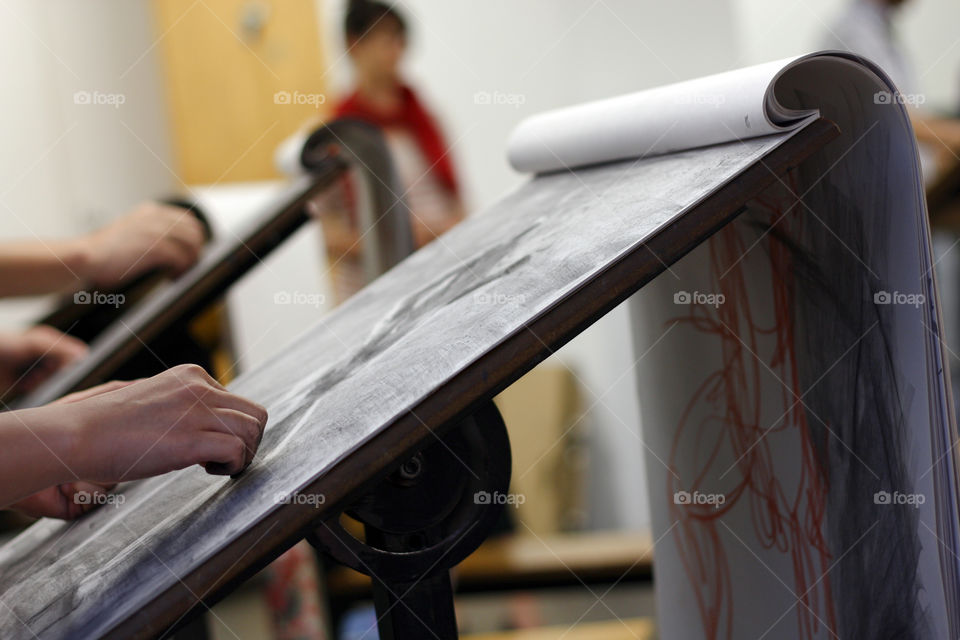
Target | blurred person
(867,28)
(376,38)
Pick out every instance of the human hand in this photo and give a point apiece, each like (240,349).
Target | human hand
(71,499)
(76,396)
(66,501)
(152,236)
(173,420)
(29,358)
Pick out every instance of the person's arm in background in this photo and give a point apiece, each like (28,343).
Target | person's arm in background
(153,236)
(91,440)
(30,357)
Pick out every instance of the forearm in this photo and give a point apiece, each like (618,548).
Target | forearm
(38,449)
(39,267)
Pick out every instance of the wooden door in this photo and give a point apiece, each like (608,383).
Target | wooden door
(240,75)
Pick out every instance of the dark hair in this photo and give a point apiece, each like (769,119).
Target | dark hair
(363,15)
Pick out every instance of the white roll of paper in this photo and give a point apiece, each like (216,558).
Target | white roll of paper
(720,108)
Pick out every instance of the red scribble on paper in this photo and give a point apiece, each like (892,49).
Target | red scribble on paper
(724,414)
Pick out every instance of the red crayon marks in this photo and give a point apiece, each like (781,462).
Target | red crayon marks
(757,376)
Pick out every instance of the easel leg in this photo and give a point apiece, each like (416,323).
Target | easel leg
(196,629)
(431,513)
(423,609)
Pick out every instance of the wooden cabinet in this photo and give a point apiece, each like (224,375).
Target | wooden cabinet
(240,76)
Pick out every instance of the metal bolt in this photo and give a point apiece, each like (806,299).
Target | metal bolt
(411,469)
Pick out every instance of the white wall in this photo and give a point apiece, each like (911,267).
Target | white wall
(66,167)
(927,30)
(548,53)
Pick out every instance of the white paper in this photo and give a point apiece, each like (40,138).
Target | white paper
(734,105)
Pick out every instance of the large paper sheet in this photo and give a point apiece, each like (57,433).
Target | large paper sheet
(794,388)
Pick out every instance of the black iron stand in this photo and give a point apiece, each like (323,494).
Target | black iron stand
(423,519)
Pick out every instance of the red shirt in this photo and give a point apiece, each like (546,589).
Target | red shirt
(415,118)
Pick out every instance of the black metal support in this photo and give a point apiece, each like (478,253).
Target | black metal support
(383,215)
(423,519)
(197,629)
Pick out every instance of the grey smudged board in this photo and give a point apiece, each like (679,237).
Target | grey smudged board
(419,348)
